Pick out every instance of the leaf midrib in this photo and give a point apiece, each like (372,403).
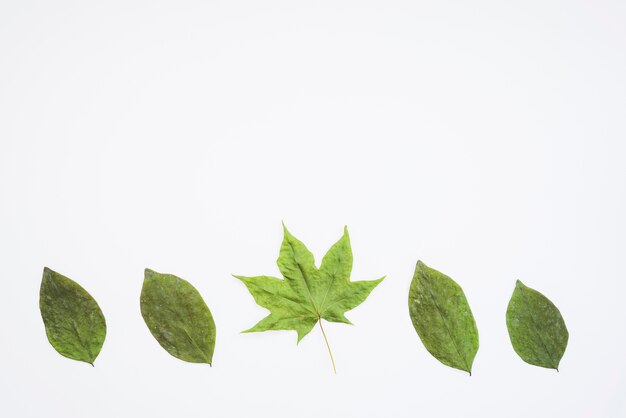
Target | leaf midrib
(445,324)
(193,342)
(306,282)
(278,295)
(332,281)
(180,322)
(85,346)
(535,328)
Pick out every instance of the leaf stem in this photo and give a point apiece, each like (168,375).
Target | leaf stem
(332,360)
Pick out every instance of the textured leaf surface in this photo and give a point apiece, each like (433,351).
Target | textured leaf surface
(536,328)
(442,318)
(308,294)
(74,323)
(178,317)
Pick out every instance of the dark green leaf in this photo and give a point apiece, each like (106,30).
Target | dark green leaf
(74,322)
(536,328)
(442,318)
(308,294)
(178,317)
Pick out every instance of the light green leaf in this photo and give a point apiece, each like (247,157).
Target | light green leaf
(536,328)
(74,323)
(442,318)
(178,317)
(308,294)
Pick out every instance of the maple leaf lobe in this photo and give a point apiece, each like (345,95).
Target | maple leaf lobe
(308,294)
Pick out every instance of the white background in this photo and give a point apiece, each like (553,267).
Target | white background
(486,138)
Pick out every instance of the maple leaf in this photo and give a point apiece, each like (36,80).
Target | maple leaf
(308,294)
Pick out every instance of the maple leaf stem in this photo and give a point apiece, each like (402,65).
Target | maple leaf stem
(332,360)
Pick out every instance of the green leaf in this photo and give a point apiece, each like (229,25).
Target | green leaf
(74,323)
(178,317)
(308,294)
(536,328)
(442,318)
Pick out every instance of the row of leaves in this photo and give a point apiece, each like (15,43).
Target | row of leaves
(181,322)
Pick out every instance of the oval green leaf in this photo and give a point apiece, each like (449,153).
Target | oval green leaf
(74,323)
(178,317)
(536,328)
(442,318)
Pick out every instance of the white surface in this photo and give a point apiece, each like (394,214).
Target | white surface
(486,138)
